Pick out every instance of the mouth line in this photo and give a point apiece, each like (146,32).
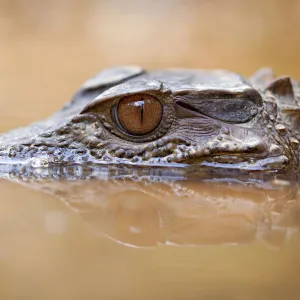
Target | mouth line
(240,161)
(266,165)
(263,164)
(227,157)
(237,157)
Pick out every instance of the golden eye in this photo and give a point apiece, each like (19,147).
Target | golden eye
(139,114)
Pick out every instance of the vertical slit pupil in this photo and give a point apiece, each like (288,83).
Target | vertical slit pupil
(142,110)
(140,104)
(139,114)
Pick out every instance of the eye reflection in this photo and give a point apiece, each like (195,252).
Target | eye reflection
(139,114)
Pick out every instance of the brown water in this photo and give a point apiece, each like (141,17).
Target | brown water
(107,238)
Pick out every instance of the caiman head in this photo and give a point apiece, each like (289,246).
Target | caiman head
(174,117)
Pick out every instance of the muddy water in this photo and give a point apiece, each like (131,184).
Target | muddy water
(105,236)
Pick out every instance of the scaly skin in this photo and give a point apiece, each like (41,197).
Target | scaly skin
(211,119)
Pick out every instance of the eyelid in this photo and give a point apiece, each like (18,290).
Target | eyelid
(114,94)
(231,110)
(250,94)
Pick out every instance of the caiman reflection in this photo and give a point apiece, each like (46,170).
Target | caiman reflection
(140,209)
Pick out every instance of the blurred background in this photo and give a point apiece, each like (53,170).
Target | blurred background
(49,47)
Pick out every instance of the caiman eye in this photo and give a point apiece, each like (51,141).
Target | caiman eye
(139,114)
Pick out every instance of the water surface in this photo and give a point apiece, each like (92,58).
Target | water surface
(72,235)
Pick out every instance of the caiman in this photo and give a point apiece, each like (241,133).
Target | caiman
(174,117)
